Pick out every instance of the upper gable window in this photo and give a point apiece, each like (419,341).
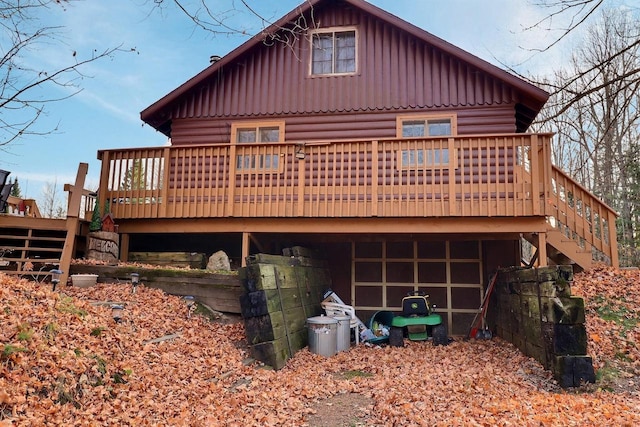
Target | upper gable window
(333,52)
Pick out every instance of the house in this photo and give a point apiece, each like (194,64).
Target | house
(401,158)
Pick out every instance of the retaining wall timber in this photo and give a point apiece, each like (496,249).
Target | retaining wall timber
(533,309)
(281,293)
(220,292)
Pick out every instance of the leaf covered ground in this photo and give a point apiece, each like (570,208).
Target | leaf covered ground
(64,361)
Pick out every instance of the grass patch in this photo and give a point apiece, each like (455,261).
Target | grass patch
(25,333)
(67,306)
(607,374)
(96,332)
(356,374)
(102,364)
(50,332)
(9,350)
(616,313)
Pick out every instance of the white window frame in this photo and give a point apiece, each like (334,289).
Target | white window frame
(453,119)
(427,158)
(333,31)
(263,162)
(235,127)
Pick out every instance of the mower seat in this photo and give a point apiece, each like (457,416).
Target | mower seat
(415,305)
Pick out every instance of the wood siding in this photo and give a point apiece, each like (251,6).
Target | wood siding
(397,72)
(365,125)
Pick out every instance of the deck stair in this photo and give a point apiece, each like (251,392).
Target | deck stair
(562,250)
(31,246)
(580,227)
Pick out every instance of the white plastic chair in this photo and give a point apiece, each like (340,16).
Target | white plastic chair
(337,309)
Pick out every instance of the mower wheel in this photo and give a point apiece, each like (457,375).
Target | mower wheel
(440,336)
(396,337)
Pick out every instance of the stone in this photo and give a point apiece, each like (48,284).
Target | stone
(103,246)
(219,261)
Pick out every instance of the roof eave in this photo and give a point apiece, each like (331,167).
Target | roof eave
(155,108)
(534,93)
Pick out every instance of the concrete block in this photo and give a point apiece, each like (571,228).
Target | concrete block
(562,310)
(572,371)
(569,340)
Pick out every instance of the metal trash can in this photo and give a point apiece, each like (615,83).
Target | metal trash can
(343,333)
(323,332)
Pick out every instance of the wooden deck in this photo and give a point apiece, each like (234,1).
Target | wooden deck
(31,246)
(509,176)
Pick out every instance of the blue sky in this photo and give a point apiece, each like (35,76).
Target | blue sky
(169,51)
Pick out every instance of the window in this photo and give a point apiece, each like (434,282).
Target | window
(417,126)
(426,157)
(262,157)
(256,133)
(333,52)
(414,126)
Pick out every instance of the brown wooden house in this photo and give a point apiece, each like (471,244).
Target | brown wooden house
(401,158)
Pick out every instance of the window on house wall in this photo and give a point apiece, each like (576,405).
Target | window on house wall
(333,52)
(423,127)
(261,157)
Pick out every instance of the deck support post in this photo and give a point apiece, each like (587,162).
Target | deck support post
(73,221)
(124,247)
(542,249)
(245,248)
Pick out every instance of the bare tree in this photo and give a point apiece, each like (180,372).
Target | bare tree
(597,116)
(52,200)
(22,99)
(242,18)
(564,17)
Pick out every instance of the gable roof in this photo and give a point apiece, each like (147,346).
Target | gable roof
(158,115)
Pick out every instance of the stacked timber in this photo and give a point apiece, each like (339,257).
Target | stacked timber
(220,292)
(281,293)
(173,259)
(536,312)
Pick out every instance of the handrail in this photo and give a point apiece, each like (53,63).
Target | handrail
(582,217)
(484,175)
(503,175)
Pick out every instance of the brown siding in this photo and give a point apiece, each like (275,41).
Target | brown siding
(397,72)
(364,125)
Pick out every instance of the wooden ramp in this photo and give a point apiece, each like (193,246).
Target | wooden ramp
(31,246)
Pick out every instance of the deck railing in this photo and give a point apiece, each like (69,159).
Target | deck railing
(582,217)
(501,175)
(465,176)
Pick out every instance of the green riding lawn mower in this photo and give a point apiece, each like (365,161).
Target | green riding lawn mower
(418,322)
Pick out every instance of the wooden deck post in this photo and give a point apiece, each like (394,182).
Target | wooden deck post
(231,198)
(536,175)
(73,220)
(124,247)
(613,239)
(452,177)
(164,192)
(245,248)
(103,186)
(302,165)
(542,249)
(374,177)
